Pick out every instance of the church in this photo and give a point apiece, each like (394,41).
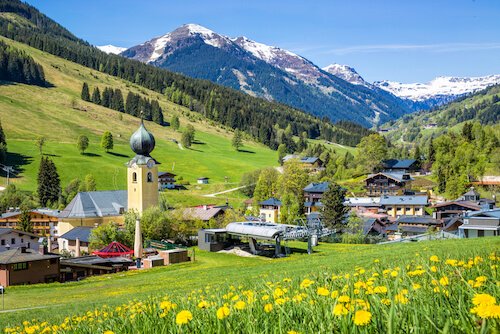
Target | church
(94,208)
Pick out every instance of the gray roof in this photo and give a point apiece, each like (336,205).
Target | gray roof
(393,175)
(315,187)
(96,204)
(18,255)
(423,220)
(495,213)
(395,163)
(48,212)
(403,200)
(95,260)
(309,160)
(271,201)
(204,214)
(80,232)
(7,230)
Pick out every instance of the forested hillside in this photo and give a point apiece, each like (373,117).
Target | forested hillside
(483,107)
(234,109)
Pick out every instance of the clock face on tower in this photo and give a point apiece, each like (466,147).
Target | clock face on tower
(150,163)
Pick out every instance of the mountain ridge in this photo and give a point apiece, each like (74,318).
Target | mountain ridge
(266,71)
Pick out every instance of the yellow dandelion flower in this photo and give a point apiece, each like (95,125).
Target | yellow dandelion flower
(385,301)
(240,305)
(280,301)
(344,299)
(293,332)
(335,294)
(203,304)
(380,289)
(340,310)
(434,258)
(306,283)
(362,318)
(109,332)
(278,292)
(401,298)
(416,286)
(265,297)
(223,312)
(434,269)
(323,291)
(444,281)
(183,317)
(268,308)
(483,299)
(394,273)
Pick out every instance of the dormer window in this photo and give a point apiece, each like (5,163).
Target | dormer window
(134,177)
(150,177)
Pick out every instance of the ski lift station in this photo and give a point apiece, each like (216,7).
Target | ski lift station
(214,240)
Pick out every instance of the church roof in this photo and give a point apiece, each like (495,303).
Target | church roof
(96,204)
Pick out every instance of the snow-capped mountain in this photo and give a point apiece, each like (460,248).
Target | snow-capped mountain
(111,49)
(440,90)
(347,73)
(266,71)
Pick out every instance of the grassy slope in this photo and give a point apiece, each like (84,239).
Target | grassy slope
(59,300)
(29,111)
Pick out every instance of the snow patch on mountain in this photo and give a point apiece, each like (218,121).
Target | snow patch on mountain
(111,49)
(439,87)
(346,73)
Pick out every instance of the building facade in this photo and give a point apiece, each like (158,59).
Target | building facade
(270,209)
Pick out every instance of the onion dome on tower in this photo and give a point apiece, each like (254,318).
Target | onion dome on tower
(142,142)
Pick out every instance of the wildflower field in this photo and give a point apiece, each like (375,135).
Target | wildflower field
(427,287)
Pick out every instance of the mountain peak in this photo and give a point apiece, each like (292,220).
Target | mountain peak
(111,49)
(346,73)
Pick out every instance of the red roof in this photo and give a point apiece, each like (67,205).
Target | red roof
(114,249)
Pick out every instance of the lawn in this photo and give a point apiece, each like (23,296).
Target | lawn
(221,271)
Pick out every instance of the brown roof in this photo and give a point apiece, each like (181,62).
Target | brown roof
(465,204)
(18,255)
(204,214)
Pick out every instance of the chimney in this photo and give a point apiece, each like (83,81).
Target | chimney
(49,243)
(77,248)
(42,249)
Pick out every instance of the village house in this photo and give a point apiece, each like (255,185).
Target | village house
(387,183)
(27,266)
(11,238)
(470,201)
(313,193)
(204,212)
(413,225)
(43,220)
(76,268)
(166,180)
(396,206)
(202,180)
(400,166)
(312,164)
(480,224)
(76,241)
(269,210)
(363,204)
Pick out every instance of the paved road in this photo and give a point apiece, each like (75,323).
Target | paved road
(225,191)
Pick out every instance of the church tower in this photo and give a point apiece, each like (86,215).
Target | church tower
(142,172)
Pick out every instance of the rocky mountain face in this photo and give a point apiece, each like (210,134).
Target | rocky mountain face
(269,72)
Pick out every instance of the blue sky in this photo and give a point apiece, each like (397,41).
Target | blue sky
(400,40)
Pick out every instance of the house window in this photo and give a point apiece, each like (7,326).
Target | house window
(150,177)
(408,209)
(480,233)
(13,241)
(2,242)
(134,177)
(20,266)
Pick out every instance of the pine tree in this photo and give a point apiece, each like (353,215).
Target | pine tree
(96,96)
(175,123)
(186,139)
(107,141)
(334,210)
(282,150)
(107,96)
(237,141)
(431,152)
(49,184)
(40,142)
(82,143)
(90,183)
(85,92)
(117,101)
(25,223)
(3,145)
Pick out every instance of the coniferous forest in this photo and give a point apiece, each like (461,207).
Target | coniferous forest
(16,66)
(226,106)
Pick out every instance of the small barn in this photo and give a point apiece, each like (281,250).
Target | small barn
(202,180)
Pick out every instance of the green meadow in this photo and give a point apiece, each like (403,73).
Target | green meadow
(54,302)
(59,114)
